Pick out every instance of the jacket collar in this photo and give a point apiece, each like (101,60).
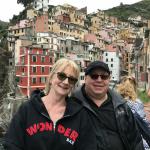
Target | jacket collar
(116,98)
(72,108)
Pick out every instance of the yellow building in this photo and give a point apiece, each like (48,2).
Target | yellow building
(66,30)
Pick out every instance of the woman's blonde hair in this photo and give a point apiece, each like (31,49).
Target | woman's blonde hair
(62,63)
(127,88)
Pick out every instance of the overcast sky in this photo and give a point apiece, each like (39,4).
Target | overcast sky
(10,7)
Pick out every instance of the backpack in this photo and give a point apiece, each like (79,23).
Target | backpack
(144,127)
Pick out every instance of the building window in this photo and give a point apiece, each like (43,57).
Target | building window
(106,59)
(34,59)
(44,52)
(23,60)
(30,50)
(33,80)
(34,69)
(111,65)
(82,70)
(39,39)
(111,59)
(66,49)
(106,54)
(42,79)
(42,59)
(23,69)
(42,69)
(82,77)
(50,59)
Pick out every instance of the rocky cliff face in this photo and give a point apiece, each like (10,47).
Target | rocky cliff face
(4,63)
(10,100)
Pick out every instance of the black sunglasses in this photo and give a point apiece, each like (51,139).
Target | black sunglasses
(62,76)
(96,76)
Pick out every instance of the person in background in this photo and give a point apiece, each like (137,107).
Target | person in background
(113,121)
(52,121)
(128,89)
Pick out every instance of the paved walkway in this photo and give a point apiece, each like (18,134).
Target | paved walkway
(147,110)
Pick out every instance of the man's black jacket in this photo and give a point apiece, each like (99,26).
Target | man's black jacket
(126,124)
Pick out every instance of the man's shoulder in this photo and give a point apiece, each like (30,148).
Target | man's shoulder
(114,93)
(117,99)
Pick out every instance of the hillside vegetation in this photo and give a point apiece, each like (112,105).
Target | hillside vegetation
(3,34)
(122,12)
(3,28)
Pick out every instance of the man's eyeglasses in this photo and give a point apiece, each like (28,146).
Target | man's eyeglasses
(62,76)
(96,76)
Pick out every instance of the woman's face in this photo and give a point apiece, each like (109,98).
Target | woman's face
(63,81)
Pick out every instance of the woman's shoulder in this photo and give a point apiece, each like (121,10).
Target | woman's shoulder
(138,100)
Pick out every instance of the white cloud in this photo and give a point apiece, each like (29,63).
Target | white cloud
(10,7)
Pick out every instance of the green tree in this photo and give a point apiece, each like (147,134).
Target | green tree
(25,2)
(123,11)
(121,4)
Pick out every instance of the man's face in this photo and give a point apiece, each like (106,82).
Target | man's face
(97,82)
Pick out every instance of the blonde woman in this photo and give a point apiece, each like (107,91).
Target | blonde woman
(128,89)
(52,121)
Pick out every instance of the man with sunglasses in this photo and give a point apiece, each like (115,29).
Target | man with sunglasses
(113,121)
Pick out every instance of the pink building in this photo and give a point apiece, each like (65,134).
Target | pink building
(64,18)
(91,38)
(41,23)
